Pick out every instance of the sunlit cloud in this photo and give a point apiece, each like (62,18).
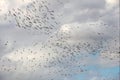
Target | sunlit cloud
(3,6)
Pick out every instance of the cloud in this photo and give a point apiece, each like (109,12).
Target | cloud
(85,11)
(6,5)
(112,2)
(86,35)
(3,7)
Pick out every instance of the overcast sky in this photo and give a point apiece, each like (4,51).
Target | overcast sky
(80,40)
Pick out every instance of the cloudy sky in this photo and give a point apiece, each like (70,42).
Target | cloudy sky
(59,40)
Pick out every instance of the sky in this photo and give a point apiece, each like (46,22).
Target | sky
(59,40)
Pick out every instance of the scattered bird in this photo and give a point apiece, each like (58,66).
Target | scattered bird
(40,17)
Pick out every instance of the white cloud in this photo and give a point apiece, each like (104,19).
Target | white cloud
(3,7)
(112,2)
(6,5)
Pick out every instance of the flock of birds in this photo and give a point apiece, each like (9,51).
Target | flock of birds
(37,15)
(56,54)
